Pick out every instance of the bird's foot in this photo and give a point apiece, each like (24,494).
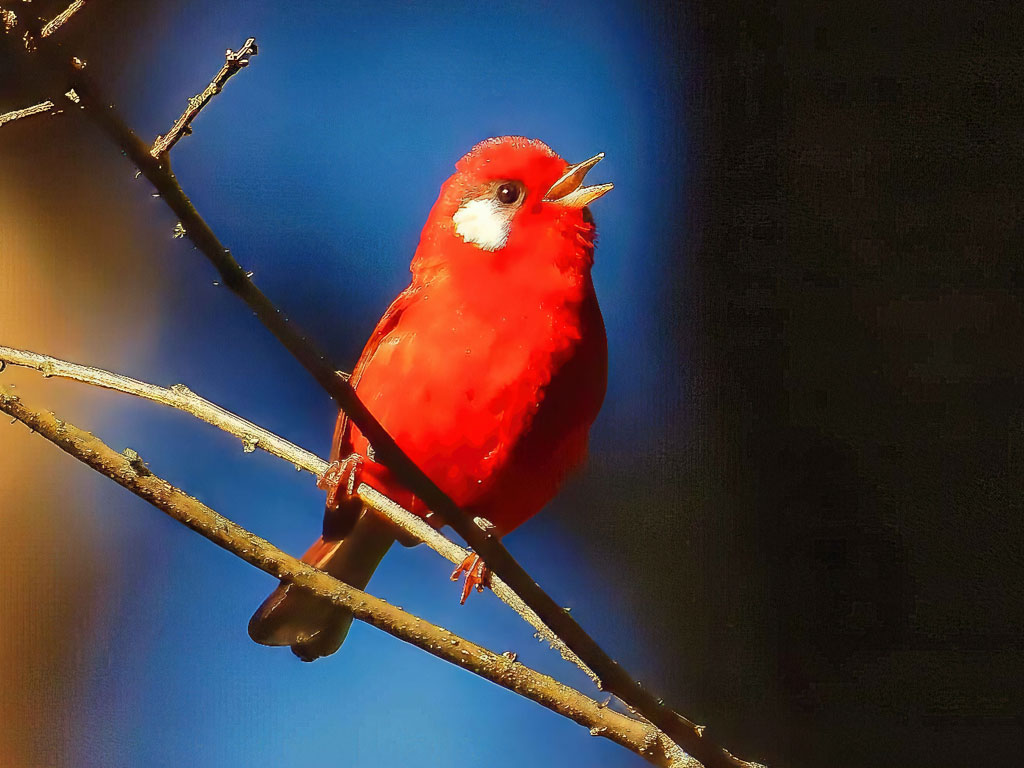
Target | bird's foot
(477,575)
(340,474)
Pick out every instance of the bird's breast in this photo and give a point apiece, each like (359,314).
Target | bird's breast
(463,371)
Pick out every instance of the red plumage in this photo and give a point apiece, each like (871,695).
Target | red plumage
(488,370)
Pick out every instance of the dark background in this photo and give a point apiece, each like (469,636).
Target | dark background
(858,316)
(801,521)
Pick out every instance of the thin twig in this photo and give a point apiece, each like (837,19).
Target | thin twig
(58,21)
(233,62)
(254,436)
(128,470)
(177,396)
(36,109)
(614,678)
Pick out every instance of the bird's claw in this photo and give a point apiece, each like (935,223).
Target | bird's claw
(477,575)
(338,475)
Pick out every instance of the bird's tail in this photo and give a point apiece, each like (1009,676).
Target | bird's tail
(312,626)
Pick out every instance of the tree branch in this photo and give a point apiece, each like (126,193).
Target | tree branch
(234,61)
(128,470)
(10,21)
(58,21)
(17,114)
(254,436)
(614,678)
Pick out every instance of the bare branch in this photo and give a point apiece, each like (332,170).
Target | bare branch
(456,554)
(36,109)
(59,20)
(128,470)
(177,396)
(233,62)
(254,436)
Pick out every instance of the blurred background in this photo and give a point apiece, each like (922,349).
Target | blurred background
(801,519)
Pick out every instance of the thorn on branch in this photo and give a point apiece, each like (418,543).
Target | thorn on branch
(233,62)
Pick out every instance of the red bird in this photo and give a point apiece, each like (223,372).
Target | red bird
(488,371)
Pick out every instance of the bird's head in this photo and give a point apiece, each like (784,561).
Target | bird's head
(510,201)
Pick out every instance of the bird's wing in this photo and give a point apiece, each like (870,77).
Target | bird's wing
(340,443)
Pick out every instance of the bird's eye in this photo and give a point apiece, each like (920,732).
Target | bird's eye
(508,193)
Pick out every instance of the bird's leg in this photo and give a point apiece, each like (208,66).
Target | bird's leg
(477,575)
(340,474)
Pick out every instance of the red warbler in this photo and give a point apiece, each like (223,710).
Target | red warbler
(488,371)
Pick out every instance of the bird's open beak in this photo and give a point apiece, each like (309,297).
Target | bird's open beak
(568,190)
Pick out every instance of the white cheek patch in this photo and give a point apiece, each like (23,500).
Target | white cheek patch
(484,223)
